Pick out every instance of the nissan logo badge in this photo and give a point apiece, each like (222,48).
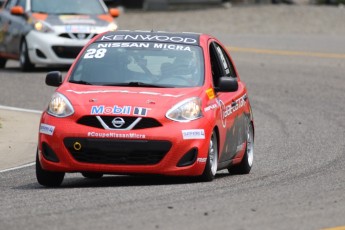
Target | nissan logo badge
(118,122)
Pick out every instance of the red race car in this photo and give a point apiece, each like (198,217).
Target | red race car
(137,102)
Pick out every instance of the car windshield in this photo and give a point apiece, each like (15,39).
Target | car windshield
(67,6)
(140,64)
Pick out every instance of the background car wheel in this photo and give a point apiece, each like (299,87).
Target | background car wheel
(246,164)
(47,178)
(3,62)
(91,175)
(212,160)
(24,60)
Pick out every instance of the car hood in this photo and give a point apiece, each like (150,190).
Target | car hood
(125,100)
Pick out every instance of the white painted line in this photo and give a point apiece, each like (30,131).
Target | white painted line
(19,167)
(20,109)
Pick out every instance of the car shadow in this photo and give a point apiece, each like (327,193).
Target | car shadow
(78,181)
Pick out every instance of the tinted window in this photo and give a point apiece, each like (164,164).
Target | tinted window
(160,64)
(225,62)
(67,6)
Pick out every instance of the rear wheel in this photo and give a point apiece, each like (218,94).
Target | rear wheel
(48,178)
(212,160)
(91,175)
(3,62)
(24,60)
(247,161)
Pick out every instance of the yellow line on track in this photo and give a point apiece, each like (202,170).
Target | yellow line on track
(335,228)
(286,52)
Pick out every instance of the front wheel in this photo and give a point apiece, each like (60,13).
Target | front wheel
(247,161)
(47,178)
(212,160)
(24,59)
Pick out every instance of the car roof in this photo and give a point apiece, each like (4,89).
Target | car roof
(186,38)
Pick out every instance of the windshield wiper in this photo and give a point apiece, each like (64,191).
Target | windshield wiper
(80,82)
(136,84)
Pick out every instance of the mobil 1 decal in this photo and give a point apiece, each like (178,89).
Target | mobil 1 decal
(118,110)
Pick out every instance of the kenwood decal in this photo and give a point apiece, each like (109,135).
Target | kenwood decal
(148,37)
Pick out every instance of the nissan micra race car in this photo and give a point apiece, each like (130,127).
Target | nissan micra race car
(147,103)
(50,32)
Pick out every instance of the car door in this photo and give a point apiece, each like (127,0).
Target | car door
(231,104)
(11,28)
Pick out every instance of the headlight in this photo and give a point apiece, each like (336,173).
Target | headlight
(43,27)
(101,29)
(59,106)
(112,26)
(186,110)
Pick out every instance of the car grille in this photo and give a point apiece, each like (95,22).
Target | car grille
(78,36)
(143,123)
(121,152)
(67,51)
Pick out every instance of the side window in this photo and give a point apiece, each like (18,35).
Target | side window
(215,65)
(10,4)
(226,62)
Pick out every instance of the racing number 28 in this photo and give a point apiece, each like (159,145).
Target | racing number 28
(95,53)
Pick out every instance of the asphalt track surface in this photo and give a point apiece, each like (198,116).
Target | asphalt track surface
(297,181)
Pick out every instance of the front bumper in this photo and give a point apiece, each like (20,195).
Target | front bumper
(50,49)
(160,150)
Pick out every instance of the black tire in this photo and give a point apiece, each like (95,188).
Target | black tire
(91,175)
(3,62)
(212,160)
(247,161)
(48,178)
(24,59)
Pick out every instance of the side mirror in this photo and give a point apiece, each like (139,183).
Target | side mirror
(54,78)
(227,84)
(17,10)
(114,12)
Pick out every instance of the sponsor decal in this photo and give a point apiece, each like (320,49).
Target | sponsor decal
(193,134)
(171,47)
(102,48)
(78,29)
(77,19)
(149,37)
(222,108)
(125,110)
(123,91)
(140,111)
(118,110)
(117,135)
(47,129)
(239,103)
(227,110)
(211,107)
(210,93)
(201,160)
